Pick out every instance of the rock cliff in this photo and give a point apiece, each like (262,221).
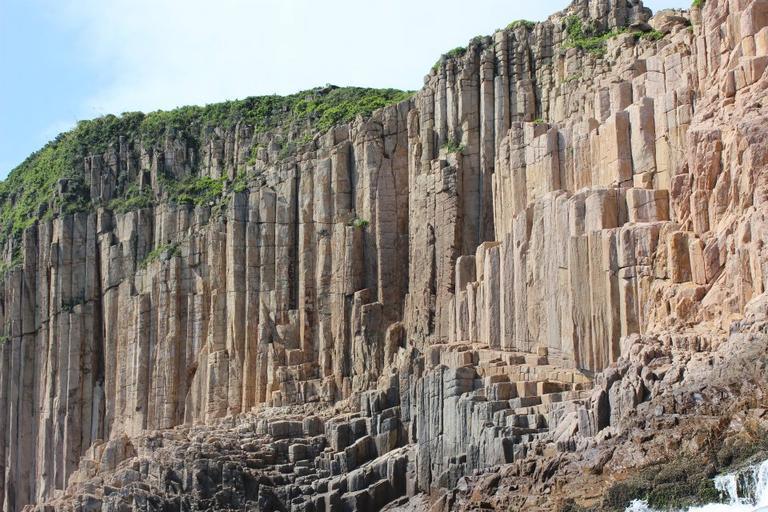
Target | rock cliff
(565,227)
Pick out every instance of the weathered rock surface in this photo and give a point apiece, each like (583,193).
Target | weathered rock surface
(382,315)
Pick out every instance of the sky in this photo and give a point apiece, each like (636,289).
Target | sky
(65,60)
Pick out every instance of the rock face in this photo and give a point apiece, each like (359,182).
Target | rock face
(443,288)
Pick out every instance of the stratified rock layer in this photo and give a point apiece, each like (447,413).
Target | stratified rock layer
(440,282)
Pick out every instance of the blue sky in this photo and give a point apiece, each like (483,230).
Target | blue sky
(64,60)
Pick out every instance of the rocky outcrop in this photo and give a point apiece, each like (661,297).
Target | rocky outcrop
(408,299)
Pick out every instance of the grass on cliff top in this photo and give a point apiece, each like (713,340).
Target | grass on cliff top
(527,24)
(584,36)
(29,193)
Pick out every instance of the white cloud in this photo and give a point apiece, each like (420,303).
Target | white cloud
(165,53)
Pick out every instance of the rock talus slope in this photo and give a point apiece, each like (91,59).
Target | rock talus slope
(501,272)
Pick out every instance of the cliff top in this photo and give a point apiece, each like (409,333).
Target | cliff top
(30,192)
(53,180)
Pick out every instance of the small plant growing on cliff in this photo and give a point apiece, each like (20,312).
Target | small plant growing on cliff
(452,54)
(585,36)
(162,252)
(286,150)
(7,266)
(539,121)
(359,223)
(526,24)
(133,199)
(240,183)
(253,156)
(478,40)
(194,190)
(456,52)
(453,146)
(698,3)
(4,339)
(650,35)
(572,78)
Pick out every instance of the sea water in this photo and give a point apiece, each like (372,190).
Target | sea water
(745,491)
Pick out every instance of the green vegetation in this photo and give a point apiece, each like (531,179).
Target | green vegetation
(698,3)
(51,181)
(452,54)
(162,252)
(341,105)
(254,155)
(651,35)
(240,183)
(29,190)
(528,25)
(12,265)
(287,149)
(132,199)
(194,190)
(584,35)
(453,146)
(539,121)
(4,339)
(360,223)
(456,52)
(572,78)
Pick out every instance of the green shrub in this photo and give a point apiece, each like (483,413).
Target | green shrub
(253,156)
(194,190)
(651,35)
(539,121)
(4,339)
(585,36)
(453,146)
(528,25)
(698,3)
(452,54)
(286,150)
(342,105)
(456,52)
(164,251)
(360,223)
(132,199)
(240,183)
